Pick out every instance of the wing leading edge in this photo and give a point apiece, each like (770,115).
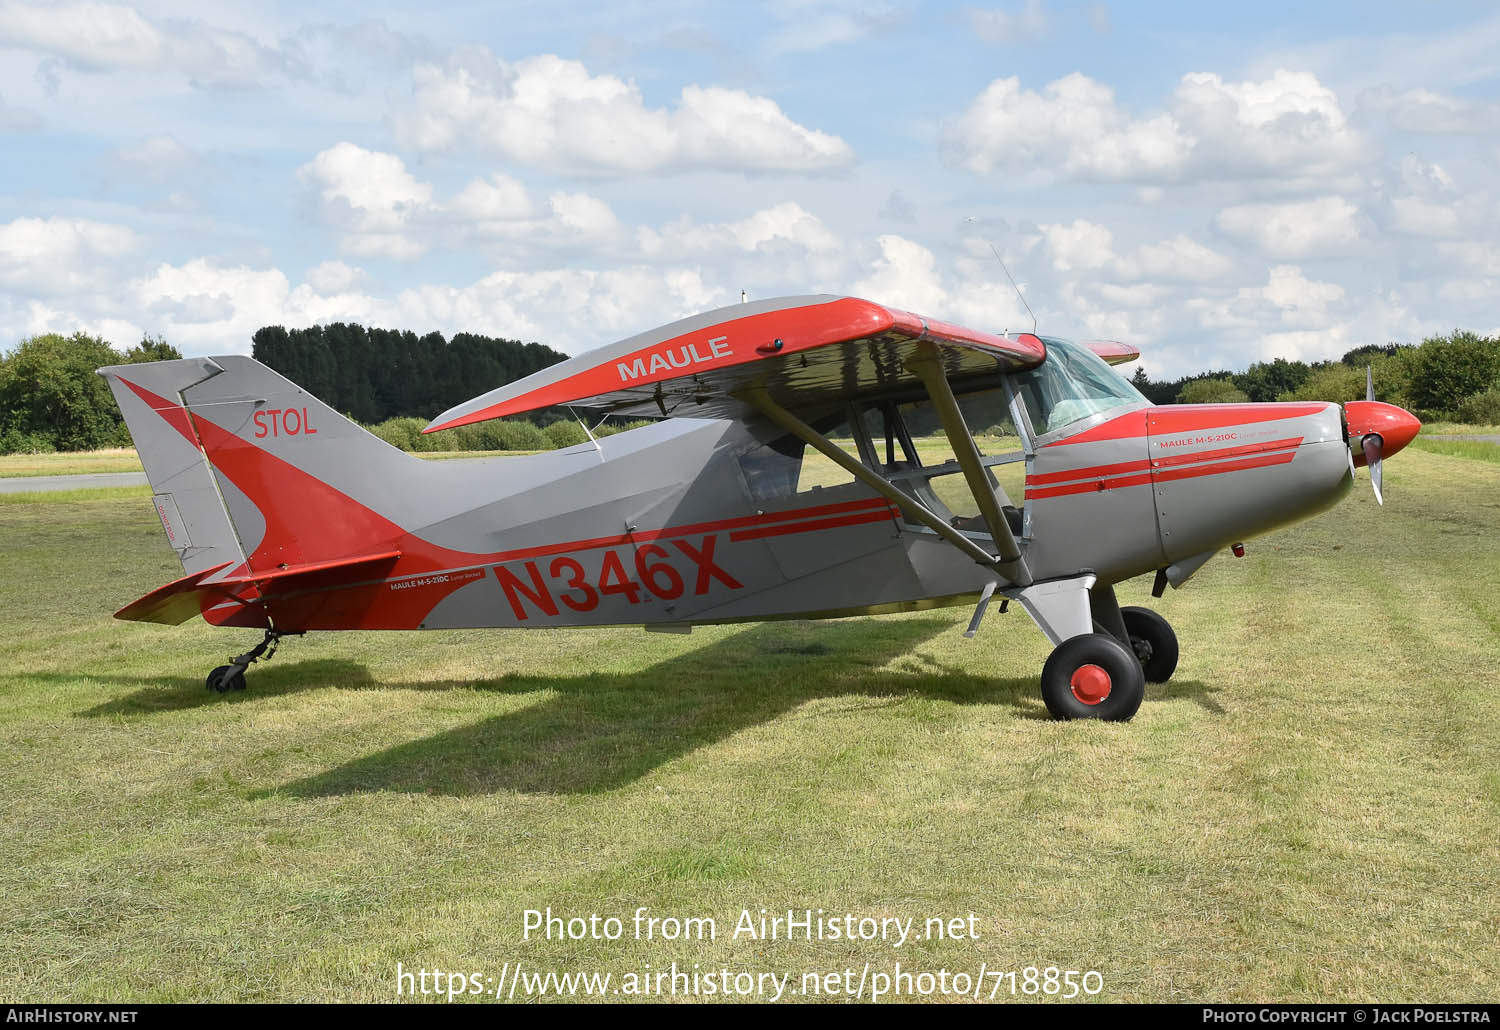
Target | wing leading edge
(799,350)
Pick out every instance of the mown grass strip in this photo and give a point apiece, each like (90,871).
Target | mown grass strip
(1478,450)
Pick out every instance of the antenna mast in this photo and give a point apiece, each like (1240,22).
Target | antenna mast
(1015,287)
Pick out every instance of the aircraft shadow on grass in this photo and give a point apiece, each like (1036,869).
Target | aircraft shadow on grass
(597,731)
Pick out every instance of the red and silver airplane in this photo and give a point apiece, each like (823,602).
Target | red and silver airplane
(289,518)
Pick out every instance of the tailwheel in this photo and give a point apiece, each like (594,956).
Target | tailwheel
(1153,641)
(1093,676)
(232,676)
(226,678)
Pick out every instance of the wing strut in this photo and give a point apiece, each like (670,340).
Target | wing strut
(757,397)
(929,369)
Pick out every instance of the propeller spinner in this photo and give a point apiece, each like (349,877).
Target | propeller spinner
(1376,431)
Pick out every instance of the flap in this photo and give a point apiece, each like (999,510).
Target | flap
(801,349)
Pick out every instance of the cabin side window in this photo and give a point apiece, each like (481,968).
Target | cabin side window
(910,447)
(786,467)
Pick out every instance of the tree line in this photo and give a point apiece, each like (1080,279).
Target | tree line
(378,374)
(393,381)
(1453,377)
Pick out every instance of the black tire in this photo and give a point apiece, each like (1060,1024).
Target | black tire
(225,678)
(1153,641)
(1092,677)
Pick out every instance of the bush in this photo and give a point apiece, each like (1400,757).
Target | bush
(1481,409)
(565,434)
(611,428)
(1336,382)
(500,435)
(405,433)
(1451,368)
(1211,391)
(13,441)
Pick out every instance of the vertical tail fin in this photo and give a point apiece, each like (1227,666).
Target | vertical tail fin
(183,482)
(243,464)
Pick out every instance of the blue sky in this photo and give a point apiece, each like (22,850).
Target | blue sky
(1217,184)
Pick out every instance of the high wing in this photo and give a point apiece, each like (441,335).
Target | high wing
(795,350)
(1112,351)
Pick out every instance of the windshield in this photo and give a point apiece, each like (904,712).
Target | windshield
(1072,384)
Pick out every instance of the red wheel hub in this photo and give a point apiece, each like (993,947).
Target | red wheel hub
(1090,684)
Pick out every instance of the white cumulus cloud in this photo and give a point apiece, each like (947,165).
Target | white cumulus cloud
(104,37)
(1073,126)
(549,112)
(1212,129)
(49,256)
(1429,112)
(784,223)
(384,211)
(1322,226)
(1084,246)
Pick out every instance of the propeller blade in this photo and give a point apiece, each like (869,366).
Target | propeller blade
(1374,449)
(1369,382)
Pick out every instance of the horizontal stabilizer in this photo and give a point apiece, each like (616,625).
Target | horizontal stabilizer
(281,576)
(174,603)
(188,597)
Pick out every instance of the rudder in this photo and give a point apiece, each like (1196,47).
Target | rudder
(183,484)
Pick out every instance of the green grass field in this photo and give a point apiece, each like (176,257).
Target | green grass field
(69,463)
(1309,811)
(1481,450)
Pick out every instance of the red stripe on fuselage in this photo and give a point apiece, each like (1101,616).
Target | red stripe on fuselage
(330,524)
(1092,486)
(1187,418)
(1227,452)
(1091,472)
(1096,472)
(758,533)
(1210,463)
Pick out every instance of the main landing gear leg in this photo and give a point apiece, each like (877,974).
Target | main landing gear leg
(232,676)
(1142,630)
(1090,674)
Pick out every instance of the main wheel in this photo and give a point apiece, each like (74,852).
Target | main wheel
(1153,641)
(225,678)
(1092,677)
